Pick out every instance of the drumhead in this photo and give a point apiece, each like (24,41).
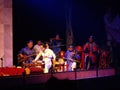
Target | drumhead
(61,61)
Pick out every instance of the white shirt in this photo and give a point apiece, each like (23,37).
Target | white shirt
(37,48)
(48,54)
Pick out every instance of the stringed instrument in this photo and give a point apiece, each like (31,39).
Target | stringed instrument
(24,57)
(72,60)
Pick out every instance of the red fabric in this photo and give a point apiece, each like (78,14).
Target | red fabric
(11,71)
(34,69)
(82,66)
(79,48)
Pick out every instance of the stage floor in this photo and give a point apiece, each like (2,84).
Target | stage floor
(41,78)
(74,75)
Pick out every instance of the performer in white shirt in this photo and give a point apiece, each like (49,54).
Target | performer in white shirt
(37,47)
(49,58)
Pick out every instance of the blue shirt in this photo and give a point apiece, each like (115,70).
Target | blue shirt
(56,46)
(27,51)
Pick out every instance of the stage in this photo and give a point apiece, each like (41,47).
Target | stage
(39,79)
(74,75)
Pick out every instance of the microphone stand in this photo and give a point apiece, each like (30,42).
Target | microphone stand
(1,62)
(52,69)
(97,65)
(75,73)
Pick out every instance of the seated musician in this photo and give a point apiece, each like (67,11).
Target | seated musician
(37,46)
(80,57)
(70,56)
(60,57)
(90,50)
(60,61)
(48,56)
(26,54)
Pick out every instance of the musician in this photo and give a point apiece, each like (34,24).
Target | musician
(48,56)
(90,50)
(70,55)
(80,57)
(37,46)
(55,44)
(27,54)
(47,45)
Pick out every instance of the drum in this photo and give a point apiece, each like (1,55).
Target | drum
(56,67)
(59,65)
(61,61)
(39,64)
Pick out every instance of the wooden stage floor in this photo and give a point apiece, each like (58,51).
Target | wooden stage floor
(17,82)
(74,75)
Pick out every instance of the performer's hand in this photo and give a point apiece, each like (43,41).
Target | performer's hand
(20,55)
(73,53)
(33,61)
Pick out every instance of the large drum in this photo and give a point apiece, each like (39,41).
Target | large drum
(61,61)
(59,65)
(39,64)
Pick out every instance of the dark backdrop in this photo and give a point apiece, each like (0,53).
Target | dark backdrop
(42,19)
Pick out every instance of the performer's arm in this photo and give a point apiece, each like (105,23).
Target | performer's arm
(38,56)
(21,52)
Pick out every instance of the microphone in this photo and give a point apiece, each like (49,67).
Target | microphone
(1,58)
